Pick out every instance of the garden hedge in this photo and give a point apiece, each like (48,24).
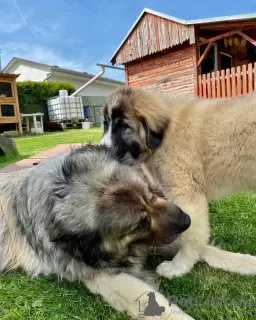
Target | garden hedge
(33,95)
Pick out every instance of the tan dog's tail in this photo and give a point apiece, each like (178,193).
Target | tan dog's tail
(229,261)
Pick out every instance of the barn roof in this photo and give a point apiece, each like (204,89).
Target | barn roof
(187,24)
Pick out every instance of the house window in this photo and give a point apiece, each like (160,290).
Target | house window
(5,89)
(7,110)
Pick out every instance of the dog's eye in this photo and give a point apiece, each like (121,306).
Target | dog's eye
(125,125)
(105,124)
(121,123)
(143,223)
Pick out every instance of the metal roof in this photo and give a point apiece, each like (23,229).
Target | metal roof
(185,22)
(63,70)
(85,75)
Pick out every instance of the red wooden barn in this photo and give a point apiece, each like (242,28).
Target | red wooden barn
(207,57)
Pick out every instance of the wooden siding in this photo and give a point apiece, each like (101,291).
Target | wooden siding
(11,100)
(170,70)
(153,34)
(228,83)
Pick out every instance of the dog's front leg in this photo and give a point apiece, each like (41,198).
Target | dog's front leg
(124,292)
(193,241)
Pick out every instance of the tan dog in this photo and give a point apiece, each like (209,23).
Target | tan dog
(199,150)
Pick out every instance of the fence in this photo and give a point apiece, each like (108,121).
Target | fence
(228,83)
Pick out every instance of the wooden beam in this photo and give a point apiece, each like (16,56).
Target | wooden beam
(195,56)
(227,25)
(9,120)
(253,42)
(8,77)
(206,50)
(126,75)
(17,106)
(219,37)
(8,100)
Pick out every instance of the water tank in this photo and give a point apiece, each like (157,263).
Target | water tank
(63,93)
(65,107)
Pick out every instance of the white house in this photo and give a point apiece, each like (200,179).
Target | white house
(34,71)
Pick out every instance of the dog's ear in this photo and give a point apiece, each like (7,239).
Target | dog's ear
(153,111)
(82,246)
(153,138)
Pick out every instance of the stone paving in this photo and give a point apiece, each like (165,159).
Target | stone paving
(39,157)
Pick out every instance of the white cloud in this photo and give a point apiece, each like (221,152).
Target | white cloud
(39,54)
(24,18)
(49,30)
(10,23)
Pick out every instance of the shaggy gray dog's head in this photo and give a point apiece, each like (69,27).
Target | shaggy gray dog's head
(98,210)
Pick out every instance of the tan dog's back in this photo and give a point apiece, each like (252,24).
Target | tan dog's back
(216,138)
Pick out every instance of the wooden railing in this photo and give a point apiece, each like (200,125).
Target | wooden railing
(228,83)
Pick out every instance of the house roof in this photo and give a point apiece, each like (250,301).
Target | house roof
(184,22)
(63,70)
(8,75)
(24,60)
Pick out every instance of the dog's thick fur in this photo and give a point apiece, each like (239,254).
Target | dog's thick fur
(86,217)
(199,150)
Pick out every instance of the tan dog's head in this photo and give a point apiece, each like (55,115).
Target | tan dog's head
(135,121)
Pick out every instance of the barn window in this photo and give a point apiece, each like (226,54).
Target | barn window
(5,89)
(7,110)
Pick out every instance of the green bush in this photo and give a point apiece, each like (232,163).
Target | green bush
(33,95)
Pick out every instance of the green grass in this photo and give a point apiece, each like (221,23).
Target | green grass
(29,145)
(233,223)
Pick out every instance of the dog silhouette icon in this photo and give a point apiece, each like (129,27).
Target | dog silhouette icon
(153,308)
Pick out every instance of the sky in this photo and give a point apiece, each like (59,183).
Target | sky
(77,34)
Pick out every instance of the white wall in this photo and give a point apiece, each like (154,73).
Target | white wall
(97,88)
(32,72)
(29,72)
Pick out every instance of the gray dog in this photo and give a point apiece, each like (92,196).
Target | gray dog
(85,216)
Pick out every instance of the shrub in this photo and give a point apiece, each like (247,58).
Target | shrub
(33,95)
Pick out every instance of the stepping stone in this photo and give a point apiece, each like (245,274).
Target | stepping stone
(7,145)
(39,157)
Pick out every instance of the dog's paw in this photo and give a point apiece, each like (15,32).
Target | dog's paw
(168,269)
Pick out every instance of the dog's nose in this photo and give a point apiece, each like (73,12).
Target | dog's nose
(186,222)
(181,222)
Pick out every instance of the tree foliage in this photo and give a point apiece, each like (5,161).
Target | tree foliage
(33,95)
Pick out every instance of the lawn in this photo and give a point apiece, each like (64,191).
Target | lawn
(28,145)
(233,223)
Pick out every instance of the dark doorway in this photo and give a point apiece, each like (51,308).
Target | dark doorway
(225,61)
(208,64)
